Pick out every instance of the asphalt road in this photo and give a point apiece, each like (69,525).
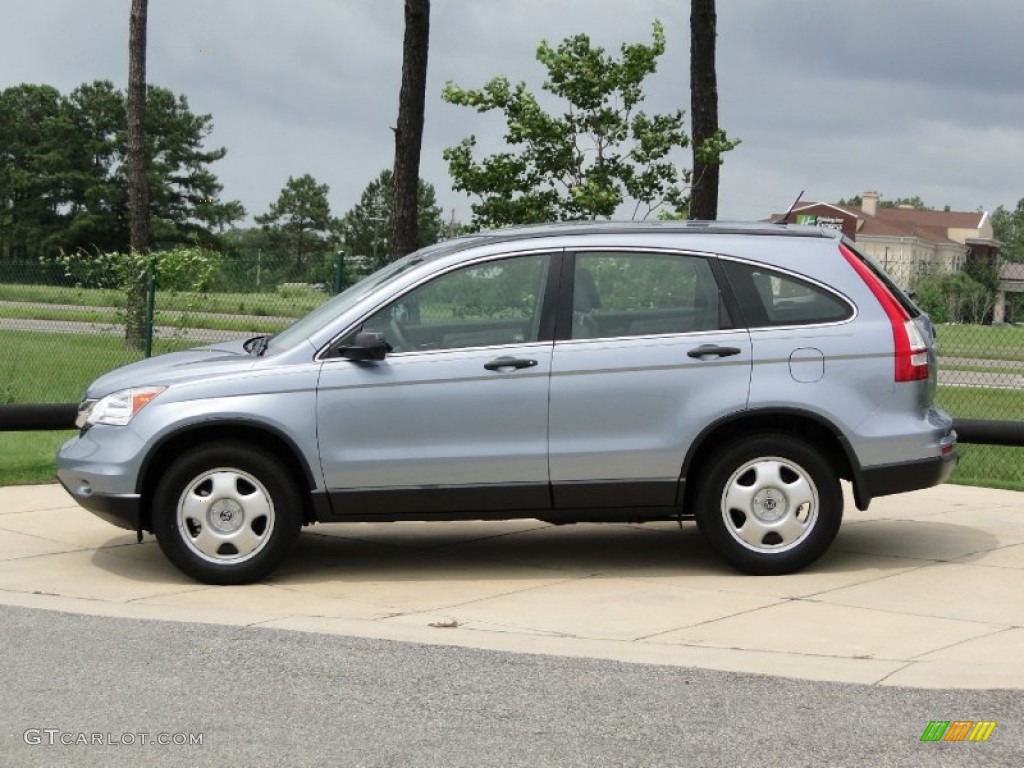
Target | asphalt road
(262,697)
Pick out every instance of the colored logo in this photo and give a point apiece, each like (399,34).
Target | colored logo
(958,730)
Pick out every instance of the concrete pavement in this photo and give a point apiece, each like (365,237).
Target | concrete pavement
(923,590)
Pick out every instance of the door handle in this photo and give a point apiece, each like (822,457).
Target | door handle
(712,350)
(510,362)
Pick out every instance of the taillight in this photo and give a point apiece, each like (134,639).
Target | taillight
(911,349)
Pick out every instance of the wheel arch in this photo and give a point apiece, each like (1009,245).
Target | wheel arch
(267,438)
(812,427)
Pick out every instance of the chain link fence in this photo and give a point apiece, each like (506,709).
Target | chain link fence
(58,332)
(979,327)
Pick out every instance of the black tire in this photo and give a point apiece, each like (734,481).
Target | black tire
(226,513)
(769,504)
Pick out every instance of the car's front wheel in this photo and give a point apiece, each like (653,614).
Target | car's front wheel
(769,504)
(226,513)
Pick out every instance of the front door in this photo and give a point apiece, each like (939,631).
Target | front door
(455,417)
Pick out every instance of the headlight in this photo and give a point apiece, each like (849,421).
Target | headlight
(117,408)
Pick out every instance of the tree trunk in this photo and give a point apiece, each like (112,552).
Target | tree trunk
(138,188)
(703,107)
(409,130)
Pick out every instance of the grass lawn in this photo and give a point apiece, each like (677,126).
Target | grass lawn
(27,458)
(990,466)
(38,367)
(51,368)
(1002,342)
(981,403)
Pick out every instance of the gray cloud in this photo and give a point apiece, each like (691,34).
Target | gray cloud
(913,97)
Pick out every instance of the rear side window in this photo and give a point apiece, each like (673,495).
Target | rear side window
(642,294)
(770,298)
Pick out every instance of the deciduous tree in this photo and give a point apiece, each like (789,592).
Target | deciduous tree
(1008,226)
(602,152)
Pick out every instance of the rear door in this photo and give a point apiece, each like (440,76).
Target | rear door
(645,357)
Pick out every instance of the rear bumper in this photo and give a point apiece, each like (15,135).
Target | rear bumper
(906,476)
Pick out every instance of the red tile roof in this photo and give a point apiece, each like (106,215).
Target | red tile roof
(928,225)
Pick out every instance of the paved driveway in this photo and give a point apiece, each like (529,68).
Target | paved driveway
(922,590)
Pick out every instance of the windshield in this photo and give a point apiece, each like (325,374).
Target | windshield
(309,324)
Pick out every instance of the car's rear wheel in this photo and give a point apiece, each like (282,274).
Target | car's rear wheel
(769,504)
(226,513)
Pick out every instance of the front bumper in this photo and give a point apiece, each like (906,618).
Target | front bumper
(124,511)
(102,476)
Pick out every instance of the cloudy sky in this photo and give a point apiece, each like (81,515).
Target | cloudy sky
(907,97)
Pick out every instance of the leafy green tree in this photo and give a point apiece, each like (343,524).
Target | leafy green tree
(32,169)
(63,182)
(96,193)
(914,202)
(1008,226)
(300,221)
(367,227)
(956,298)
(186,204)
(602,152)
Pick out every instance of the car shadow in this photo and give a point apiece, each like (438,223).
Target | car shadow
(427,552)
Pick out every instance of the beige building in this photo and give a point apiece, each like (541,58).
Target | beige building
(906,241)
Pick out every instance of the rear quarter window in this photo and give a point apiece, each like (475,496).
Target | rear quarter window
(770,298)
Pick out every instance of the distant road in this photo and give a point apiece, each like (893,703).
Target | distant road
(103,329)
(168,315)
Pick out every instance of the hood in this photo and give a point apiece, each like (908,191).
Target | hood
(200,362)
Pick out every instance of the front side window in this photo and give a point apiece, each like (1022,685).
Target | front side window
(770,298)
(495,303)
(640,294)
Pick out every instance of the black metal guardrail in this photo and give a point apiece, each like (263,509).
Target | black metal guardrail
(37,417)
(57,416)
(986,432)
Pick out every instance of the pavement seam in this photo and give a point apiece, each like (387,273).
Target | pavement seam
(68,507)
(902,668)
(889,612)
(993,633)
(59,541)
(464,603)
(781,601)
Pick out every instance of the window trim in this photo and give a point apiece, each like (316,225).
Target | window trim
(745,321)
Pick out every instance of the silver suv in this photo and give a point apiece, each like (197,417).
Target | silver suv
(728,374)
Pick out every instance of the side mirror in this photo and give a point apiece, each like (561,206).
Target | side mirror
(365,346)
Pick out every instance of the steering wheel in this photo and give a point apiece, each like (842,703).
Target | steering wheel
(398,339)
